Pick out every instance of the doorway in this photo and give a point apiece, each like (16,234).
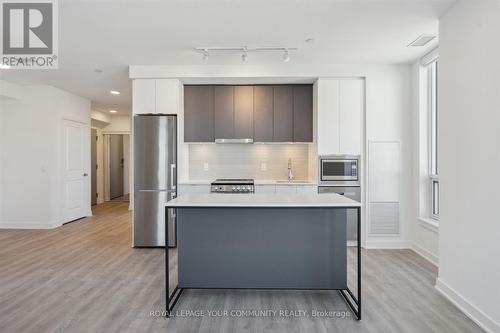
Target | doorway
(118,166)
(94,166)
(76,203)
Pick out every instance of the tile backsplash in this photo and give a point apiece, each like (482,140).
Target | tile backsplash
(211,161)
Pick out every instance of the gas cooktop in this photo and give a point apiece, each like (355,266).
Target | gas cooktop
(233,186)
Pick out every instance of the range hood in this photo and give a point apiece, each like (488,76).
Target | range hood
(249,140)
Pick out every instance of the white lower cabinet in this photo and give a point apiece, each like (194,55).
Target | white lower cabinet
(286,189)
(259,188)
(307,189)
(265,188)
(193,188)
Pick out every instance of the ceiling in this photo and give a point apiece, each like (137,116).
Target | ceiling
(110,35)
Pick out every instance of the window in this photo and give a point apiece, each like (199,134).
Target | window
(433,139)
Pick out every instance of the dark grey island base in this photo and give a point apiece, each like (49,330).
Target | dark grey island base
(225,246)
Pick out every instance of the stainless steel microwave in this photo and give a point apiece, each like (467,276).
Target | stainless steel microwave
(339,170)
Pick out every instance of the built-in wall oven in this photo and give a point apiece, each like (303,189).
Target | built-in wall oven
(339,170)
(341,174)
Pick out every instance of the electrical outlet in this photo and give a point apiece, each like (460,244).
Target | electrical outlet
(205,166)
(263,166)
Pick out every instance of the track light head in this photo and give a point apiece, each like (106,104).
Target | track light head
(286,56)
(205,55)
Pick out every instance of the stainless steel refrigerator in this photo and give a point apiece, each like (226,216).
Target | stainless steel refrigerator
(155,179)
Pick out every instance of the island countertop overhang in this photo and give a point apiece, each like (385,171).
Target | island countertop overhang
(270,200)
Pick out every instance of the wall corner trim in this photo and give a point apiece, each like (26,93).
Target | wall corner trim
(427,255)
(386,244)
(428,224)
(470,310)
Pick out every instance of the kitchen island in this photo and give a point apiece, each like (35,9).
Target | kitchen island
(263,241)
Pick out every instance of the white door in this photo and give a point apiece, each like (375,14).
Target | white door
(76,179)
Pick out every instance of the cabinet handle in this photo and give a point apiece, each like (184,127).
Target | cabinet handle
(172,171)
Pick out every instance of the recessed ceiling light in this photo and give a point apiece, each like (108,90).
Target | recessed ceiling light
(98,70)
(114,92)
(113,111)
(309,40)
(4,66)
(422,40)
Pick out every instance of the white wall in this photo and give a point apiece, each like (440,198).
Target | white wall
(101,118)
(469,159)
(388,118)
(10,90)
(118,124)
(423,231)
(31,155)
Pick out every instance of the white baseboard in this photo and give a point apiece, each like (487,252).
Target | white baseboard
(479,317)
(429,256)
(386,244)
(29,225)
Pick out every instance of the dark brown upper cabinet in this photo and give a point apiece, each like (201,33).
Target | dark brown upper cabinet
(243,112)
(283,114)
(263,113)
(199,114)
(302,113)
(224,112)
(280,113)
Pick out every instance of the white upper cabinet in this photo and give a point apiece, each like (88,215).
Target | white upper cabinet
(351,108)
(168,96)
(328,116)
(340,109)
(156,96)
(144,96)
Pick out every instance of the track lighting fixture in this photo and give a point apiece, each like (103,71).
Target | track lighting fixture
(245,50)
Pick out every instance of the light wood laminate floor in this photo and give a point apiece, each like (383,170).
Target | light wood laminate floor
(85,277)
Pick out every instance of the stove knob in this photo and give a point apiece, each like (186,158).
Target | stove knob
(233,188)
(238,188)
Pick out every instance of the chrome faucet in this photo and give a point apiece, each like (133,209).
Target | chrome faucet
(290,173)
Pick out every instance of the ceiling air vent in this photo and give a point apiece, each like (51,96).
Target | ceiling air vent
(422,40)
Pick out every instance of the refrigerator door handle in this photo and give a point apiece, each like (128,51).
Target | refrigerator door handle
(173,185)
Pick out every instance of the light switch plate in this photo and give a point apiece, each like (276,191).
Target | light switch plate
(205,166)
(263,166)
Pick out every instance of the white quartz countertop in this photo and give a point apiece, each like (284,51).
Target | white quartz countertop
(261,200)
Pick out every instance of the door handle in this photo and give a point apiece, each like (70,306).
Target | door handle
(85,174)
(172,171)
